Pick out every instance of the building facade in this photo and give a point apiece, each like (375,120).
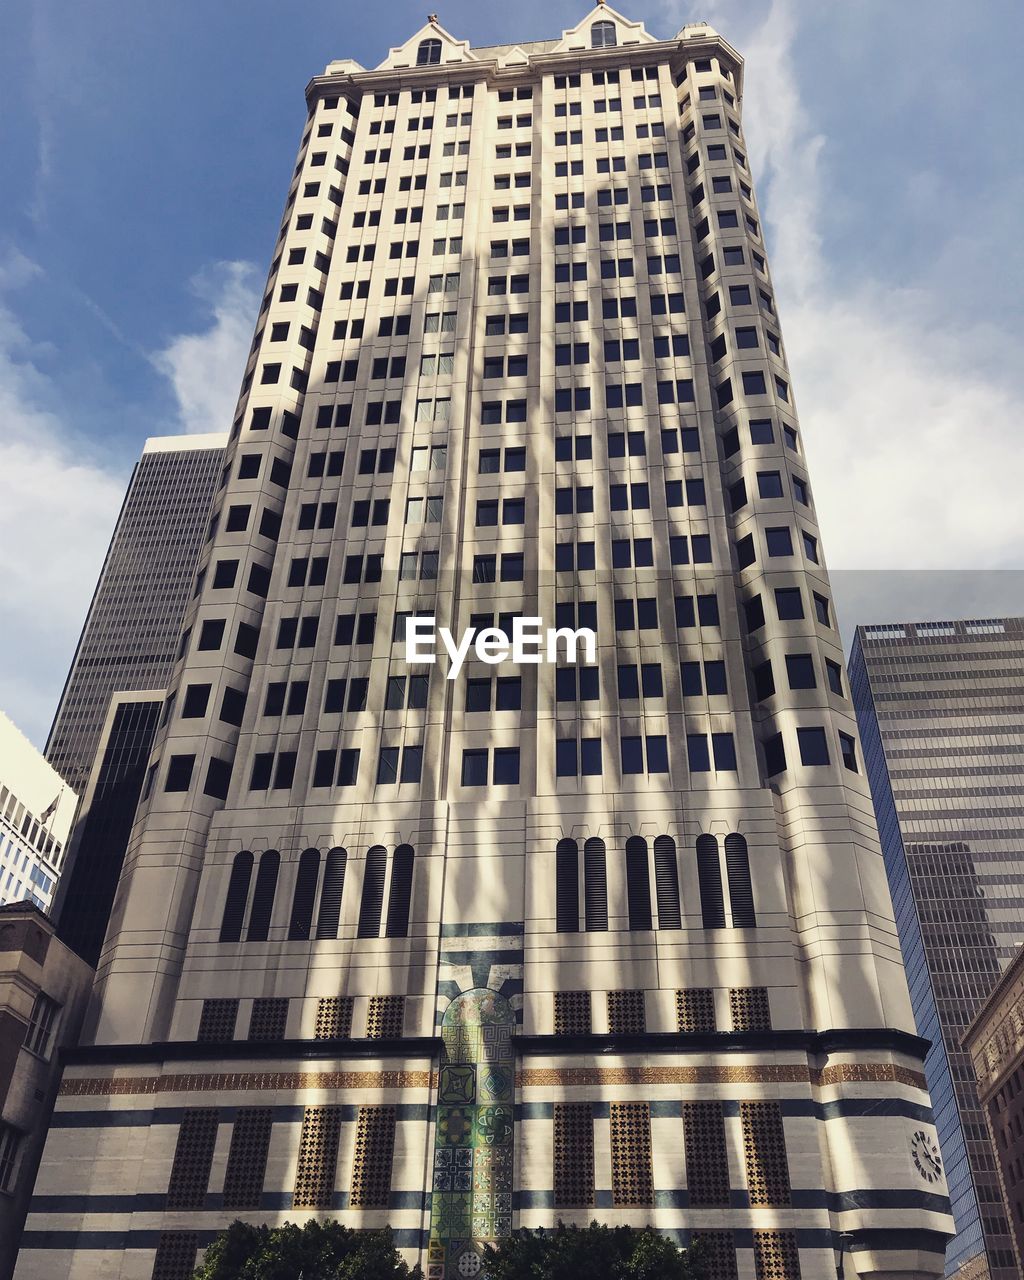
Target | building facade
(43,992)
(37,808)
(995,1041)
(548,941)
(131,632)
(941,712)
(100,836)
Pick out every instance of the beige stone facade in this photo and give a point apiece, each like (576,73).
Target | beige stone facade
(611,943)
(44,988)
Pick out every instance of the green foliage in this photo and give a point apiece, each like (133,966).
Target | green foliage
(317,1251)
(592,1253)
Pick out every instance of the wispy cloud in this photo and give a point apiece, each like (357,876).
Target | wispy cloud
(910,437)
(62,496)
(55,521)
(205,368)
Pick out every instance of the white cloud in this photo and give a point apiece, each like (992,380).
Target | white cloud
(206,368)
(55,521)
(911,441)
(62,496)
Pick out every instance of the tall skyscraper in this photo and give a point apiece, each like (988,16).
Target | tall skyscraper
(541,941)
(130,637)
(941,713)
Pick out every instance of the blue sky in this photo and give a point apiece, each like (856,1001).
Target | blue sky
(145,151)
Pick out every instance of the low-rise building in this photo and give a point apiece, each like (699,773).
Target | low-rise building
(995,1041)
(37,808)
(44,988)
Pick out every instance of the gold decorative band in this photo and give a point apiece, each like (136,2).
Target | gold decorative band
(841,1073)
(526,1077)
(227,1081)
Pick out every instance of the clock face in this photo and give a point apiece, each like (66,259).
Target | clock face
(927,1158)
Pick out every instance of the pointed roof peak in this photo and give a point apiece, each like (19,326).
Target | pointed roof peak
(410,53)
(624,30)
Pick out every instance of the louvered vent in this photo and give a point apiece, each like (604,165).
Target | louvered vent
(372,902)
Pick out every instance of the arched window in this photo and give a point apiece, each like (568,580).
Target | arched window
(709,877)
(595,885)
(638,883)
(429,53)
(602,35)
(330,895)
(567,887)
(666,883)
(741,891)
(400,897)
(263,897)
(372,902)
(238,895)
(305,895)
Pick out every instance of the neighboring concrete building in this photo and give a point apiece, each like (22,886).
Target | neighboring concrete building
(100,837)
(941,712)
(130,637)
(37,808)
(43,991)
(536,943)
(995,1041)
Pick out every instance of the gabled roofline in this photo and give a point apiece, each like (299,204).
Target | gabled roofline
(703,42)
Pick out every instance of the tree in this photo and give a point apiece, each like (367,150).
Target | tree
(317,1251)
(592,1253)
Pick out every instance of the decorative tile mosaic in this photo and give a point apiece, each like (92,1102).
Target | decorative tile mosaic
(471,1202)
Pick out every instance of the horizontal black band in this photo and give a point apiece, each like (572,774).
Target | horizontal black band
(813,1043)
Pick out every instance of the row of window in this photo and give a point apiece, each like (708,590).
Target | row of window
(580,683)
(708,1180)
(765,1157)
(268,1019)
(749,1010)
(509,566)
(629,614)
(586,881)
(319,886)
(574,757)
(434,457)
(578,500)
(315,1173)
(572,684)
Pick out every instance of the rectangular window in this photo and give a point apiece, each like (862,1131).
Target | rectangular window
(374,1155)
(813,745)
(193,1157)
(247,1158)
(626,1013)
(318,1158)
(632,1175)
(707,1160)
(217,1020)
(10,1140)
(776,1255)
(764,1152)
(573,1155)
(41,1024)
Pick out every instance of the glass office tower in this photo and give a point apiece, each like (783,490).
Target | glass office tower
(544,941)
(941,712)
